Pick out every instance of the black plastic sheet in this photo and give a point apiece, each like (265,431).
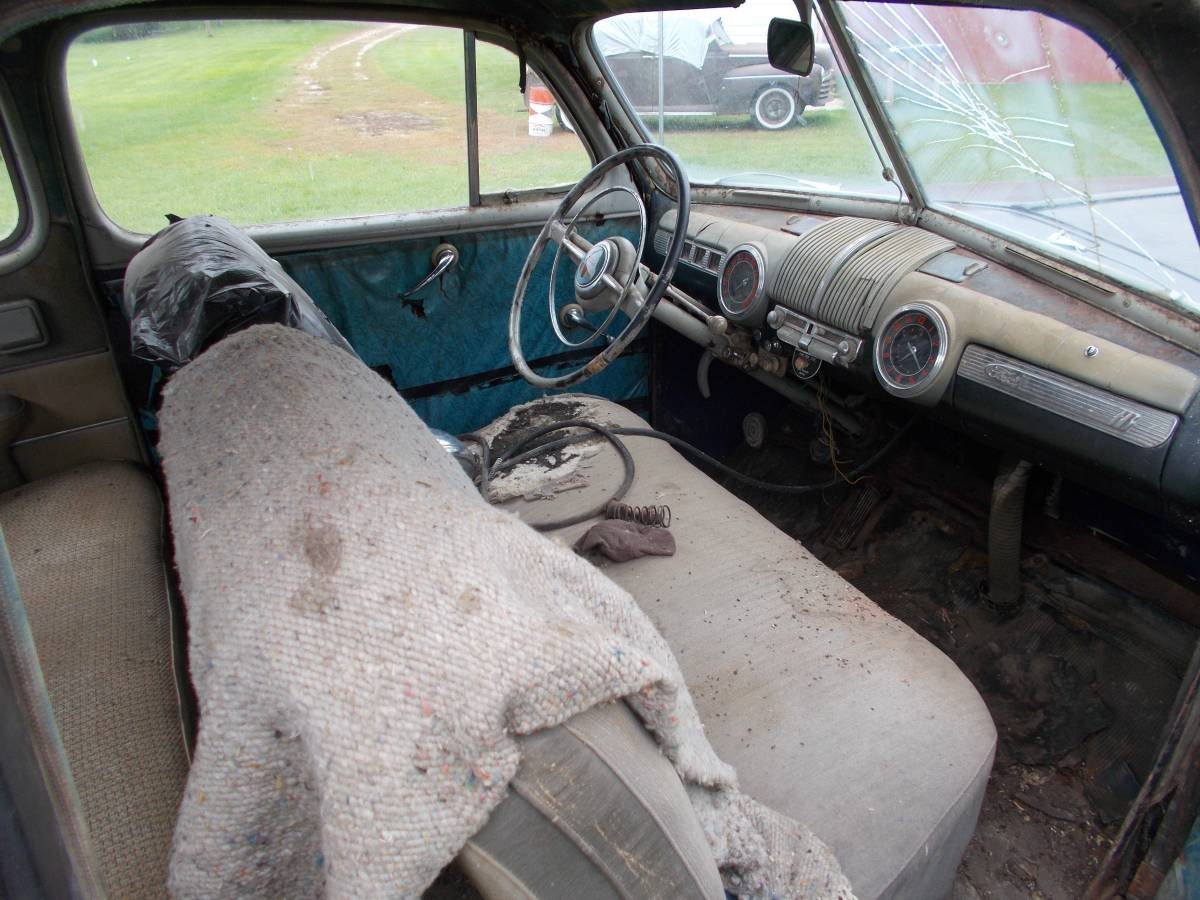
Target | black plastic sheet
(200,279)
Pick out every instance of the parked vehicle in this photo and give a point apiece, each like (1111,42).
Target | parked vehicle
(703,72)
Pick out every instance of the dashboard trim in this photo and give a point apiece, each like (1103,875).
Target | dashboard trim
(862,242)
(1111,414)
(710,260)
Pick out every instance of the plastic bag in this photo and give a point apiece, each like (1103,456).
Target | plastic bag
(200,279)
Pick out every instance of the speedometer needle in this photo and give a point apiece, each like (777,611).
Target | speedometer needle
(912,351)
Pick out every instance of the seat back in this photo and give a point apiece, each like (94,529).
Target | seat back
(596,809)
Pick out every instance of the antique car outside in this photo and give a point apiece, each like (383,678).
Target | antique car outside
(402,496)
(704,72)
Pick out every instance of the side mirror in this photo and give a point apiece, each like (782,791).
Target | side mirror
(790,46)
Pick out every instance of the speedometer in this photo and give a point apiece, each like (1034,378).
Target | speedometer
(910,349)
(742,290)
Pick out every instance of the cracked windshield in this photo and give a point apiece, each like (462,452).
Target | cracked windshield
(1023,124)
(1013,120)
(282,121)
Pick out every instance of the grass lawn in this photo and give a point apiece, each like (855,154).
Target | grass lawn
(285,121)
(1106,135)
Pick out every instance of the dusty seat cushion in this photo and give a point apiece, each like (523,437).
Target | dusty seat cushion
(86,546)
(832,711)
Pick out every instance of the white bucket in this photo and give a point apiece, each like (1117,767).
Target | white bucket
(540,124)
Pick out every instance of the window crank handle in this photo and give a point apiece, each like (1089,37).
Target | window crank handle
(444,257)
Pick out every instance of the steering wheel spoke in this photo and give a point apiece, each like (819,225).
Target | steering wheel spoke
(607,272)
(576,245)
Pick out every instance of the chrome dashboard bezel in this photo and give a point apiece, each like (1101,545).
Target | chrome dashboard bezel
(1084,404)
(756,306)
(939,362)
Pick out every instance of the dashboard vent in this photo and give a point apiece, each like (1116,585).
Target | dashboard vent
(696,255)
(840,272)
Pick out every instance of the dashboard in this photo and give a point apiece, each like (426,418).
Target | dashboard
(900,310)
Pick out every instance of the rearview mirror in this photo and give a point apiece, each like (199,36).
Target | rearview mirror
(790,46)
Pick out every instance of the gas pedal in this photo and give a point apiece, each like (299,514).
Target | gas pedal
(849,518)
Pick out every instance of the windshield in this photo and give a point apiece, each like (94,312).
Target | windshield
(730,116)
(1012,120)
(1022,123)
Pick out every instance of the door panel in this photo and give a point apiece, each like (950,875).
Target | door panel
(75,407)
(446,349)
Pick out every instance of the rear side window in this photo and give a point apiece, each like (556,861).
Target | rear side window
(269,121)
(10,210)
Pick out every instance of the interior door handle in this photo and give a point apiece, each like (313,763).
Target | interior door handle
(445,256)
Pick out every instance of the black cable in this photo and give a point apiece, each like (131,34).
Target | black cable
(522,451)
(685,447)
(518,454)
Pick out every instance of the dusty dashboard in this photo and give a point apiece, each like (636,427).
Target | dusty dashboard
(904,310)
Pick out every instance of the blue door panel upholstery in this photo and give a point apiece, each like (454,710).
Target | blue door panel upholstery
(446,349)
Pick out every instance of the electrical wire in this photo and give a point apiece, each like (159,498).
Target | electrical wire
(526,449)
(522,451)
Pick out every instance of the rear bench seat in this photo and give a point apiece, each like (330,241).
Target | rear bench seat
(86,546)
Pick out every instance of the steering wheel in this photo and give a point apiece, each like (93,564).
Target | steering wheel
(609,275)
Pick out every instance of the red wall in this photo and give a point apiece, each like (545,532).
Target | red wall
(991,45)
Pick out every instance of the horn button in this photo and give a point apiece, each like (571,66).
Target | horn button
(600,260)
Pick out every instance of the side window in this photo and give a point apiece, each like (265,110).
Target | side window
(525,141)
(272,121)
(269,121)
(10,210)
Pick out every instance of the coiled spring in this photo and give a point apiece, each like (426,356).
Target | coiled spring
(653,516)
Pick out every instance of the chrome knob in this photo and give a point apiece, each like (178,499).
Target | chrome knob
(573,316)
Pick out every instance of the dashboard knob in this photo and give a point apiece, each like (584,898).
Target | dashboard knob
(774,318)
(718,325)
(572,316)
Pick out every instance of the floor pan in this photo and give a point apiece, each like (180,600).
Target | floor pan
(1079,681)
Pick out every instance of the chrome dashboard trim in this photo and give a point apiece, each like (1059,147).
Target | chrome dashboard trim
(862,242)
(1111,414)
(810,336)
(911,390)
(694,254)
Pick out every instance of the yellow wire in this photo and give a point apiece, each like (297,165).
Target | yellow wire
(827,430)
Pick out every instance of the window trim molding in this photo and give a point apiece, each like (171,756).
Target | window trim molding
(20,247)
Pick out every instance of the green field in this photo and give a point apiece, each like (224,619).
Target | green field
(285,121)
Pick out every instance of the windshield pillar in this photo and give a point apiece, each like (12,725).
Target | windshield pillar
(864,90)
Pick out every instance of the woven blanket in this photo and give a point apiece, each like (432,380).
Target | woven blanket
(368,637)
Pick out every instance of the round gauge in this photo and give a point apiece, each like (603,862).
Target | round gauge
(910,349)
(742,288)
